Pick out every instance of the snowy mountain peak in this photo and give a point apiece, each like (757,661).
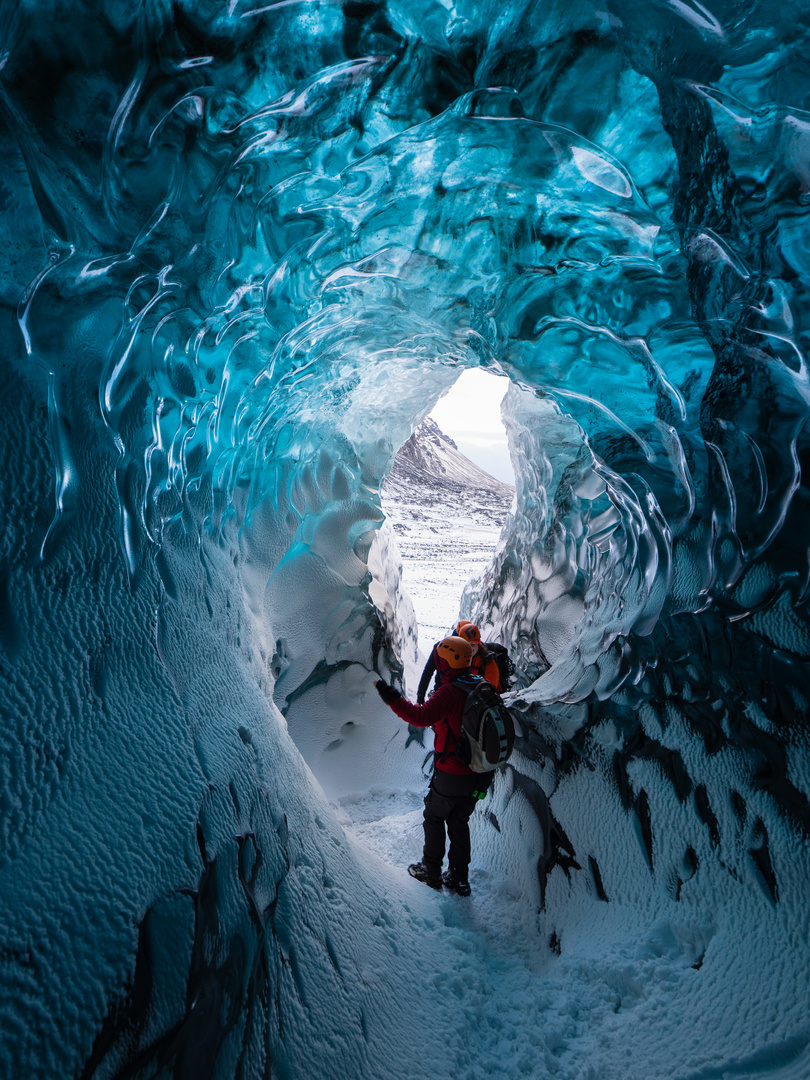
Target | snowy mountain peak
(431,457)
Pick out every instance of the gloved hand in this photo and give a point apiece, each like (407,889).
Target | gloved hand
(386,692)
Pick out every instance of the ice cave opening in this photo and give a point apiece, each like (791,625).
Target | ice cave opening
(470,413)
(246,249)
(447,498)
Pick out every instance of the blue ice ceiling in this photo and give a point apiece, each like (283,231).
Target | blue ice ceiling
(246,247)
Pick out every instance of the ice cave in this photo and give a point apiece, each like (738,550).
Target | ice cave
(247,246)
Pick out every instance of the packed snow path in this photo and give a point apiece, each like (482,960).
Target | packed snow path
(619,1002)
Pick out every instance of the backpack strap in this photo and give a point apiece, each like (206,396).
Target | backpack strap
(468,689)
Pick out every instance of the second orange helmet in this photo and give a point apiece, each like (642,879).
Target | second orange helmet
(469,631)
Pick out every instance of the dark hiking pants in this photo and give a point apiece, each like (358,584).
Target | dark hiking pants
(450,803)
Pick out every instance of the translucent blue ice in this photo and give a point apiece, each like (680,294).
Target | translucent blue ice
(246,247)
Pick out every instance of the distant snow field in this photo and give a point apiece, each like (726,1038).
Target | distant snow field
(440,554)
(447,516)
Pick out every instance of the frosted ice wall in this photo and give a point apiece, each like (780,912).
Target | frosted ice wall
(659,563)
(246,247)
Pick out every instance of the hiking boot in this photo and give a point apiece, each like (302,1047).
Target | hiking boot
(455,883)
(421,873)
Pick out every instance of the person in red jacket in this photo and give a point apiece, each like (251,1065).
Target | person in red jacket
(454,788)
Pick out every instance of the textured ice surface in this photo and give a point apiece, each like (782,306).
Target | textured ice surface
(245,250)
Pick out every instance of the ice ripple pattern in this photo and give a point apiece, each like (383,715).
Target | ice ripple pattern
(247,247)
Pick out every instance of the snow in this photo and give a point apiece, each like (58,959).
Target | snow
(447,532)
(652,985)
(437,571)
(628,998)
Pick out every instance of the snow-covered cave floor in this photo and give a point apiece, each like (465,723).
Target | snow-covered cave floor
(623,1000)
(502,963)
(645,990)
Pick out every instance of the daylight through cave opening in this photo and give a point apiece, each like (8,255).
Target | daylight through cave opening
(444,503)
(576,570)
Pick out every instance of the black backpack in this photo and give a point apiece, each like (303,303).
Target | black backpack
(487,728)
(506,668)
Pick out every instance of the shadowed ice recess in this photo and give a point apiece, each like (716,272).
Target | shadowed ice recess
(247,247)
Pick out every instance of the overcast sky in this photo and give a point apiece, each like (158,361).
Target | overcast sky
(470,413)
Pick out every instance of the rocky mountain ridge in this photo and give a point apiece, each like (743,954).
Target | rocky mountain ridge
(431,458)
(447,515)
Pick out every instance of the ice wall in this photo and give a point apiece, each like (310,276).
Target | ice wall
(246,247)
(658,568)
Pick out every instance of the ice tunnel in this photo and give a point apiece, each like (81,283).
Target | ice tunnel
(247,246)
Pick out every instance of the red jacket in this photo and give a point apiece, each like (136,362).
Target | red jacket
(442,711)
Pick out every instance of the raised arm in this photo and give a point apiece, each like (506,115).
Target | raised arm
(427,674)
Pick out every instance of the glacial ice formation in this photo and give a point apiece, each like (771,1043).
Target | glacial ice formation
(246,248)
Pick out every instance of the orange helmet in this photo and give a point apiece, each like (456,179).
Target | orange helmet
(469,631)
(455,651)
